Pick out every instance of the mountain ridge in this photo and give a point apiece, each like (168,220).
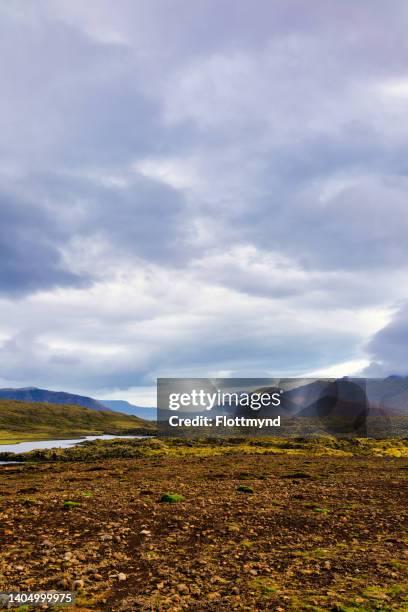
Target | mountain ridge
(37,395)
(126,407)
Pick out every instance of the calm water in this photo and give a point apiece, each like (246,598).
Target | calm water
(25,447)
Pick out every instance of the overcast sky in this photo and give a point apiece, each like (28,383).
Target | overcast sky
(201,188)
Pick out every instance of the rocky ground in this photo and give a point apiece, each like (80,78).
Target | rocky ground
(253,532)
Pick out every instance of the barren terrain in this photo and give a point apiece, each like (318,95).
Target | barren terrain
(254,531)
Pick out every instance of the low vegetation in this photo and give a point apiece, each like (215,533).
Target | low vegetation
(20,421)
(69,505)
(208,447)
(171,498)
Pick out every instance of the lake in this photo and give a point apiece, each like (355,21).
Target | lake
(25,447)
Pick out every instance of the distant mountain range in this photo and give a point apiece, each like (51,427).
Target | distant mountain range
(388,396)
(127,408)
(41,420)
(381,396)
(33,394)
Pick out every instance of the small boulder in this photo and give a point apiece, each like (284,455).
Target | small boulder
(245,489)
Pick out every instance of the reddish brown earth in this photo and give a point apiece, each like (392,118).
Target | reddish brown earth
(317,533)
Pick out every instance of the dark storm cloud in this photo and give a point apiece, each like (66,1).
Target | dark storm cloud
(30,258)
(388,349)
(144,219)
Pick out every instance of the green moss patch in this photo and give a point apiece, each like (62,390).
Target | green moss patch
(172,498)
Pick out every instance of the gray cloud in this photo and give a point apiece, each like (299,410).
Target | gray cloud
(44,213)
(253,155)
(388,349)
(60,347)
(30,254)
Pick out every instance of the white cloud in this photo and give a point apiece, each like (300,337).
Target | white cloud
(191,191)
(354,367)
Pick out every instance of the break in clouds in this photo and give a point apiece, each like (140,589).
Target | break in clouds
(202,189)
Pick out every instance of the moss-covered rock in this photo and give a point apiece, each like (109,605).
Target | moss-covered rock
(172,498)
(69,505)
(245,489)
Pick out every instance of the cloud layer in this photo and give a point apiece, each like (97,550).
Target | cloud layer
(201,188)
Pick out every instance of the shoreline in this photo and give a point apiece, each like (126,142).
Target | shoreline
(71,436)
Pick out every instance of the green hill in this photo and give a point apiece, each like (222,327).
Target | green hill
(38,421)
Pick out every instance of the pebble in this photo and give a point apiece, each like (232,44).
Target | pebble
(78,584)
(213,596)
(105,537)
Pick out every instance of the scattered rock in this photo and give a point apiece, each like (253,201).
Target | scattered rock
(77,585)
(146,532)
(105,537)
(245,489)
(69,505)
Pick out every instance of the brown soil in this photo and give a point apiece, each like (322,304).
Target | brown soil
(316,533)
